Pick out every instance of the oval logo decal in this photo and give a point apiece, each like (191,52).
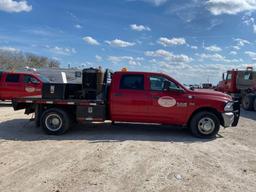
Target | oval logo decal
(166,101)
(30,89)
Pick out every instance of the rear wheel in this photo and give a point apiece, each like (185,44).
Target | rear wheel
(247,102)
(55,121)
(205,125)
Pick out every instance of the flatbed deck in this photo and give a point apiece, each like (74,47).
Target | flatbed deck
(59,101)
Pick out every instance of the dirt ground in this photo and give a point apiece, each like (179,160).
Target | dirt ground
(102,157)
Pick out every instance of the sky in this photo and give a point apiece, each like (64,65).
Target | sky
(193,41)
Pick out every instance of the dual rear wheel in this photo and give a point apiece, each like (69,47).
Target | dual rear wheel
(55,121)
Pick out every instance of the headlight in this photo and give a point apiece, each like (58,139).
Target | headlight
(229,106)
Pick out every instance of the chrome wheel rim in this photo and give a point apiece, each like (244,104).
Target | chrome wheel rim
(206,125)
(53,122)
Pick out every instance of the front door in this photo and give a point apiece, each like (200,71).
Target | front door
(32,86)
(168,105)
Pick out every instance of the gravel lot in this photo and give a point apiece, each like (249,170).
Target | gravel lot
(101,157)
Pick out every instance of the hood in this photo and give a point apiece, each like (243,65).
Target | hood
(211,93)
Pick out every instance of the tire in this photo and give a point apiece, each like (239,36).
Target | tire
(58,117)
(247,102)
(205,125)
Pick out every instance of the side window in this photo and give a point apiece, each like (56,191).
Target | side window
(157,83)
(30,79)
(229,76)
(0,75)
(173,86)
(248,76)
(135,82)
(78,74)
(12,78)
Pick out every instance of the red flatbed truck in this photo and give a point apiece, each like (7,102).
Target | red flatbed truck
(138,97)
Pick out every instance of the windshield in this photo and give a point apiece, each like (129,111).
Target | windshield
(44,79)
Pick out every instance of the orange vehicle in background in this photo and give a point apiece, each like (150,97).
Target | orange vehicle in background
(241,85)
(18,85)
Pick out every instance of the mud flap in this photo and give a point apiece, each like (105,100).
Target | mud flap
(236,113)
(18,106)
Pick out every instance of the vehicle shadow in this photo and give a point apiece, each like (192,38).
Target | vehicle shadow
(25,130)
(248,114)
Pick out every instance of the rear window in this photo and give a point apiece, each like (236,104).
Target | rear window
(134,82)
(248,76)
(12,78)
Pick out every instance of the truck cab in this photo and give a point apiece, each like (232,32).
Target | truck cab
(158,98)
(15,85)
(228,83)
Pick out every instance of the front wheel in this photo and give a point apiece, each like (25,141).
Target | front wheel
(205,125)
(55,121)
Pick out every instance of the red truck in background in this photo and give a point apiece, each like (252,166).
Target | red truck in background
(15,85)
(132,97)
(241,85)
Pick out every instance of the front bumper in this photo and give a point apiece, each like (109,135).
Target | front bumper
(230,119)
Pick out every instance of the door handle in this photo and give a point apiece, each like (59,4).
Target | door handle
(155,97)
(118,94)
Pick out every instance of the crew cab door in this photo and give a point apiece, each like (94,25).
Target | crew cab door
(32,85)
(129,100)
(12,86)
(167,105)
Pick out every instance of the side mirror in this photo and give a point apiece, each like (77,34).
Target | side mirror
(34,81)
(177,90)
(167,87)
(223,76)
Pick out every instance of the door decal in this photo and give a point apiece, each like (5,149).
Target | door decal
(166,101)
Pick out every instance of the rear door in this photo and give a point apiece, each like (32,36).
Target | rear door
(167,106)
(129,99)
(12,86)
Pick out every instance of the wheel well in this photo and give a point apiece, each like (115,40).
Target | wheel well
(208,109)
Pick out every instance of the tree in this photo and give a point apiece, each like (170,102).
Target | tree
(13,60)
